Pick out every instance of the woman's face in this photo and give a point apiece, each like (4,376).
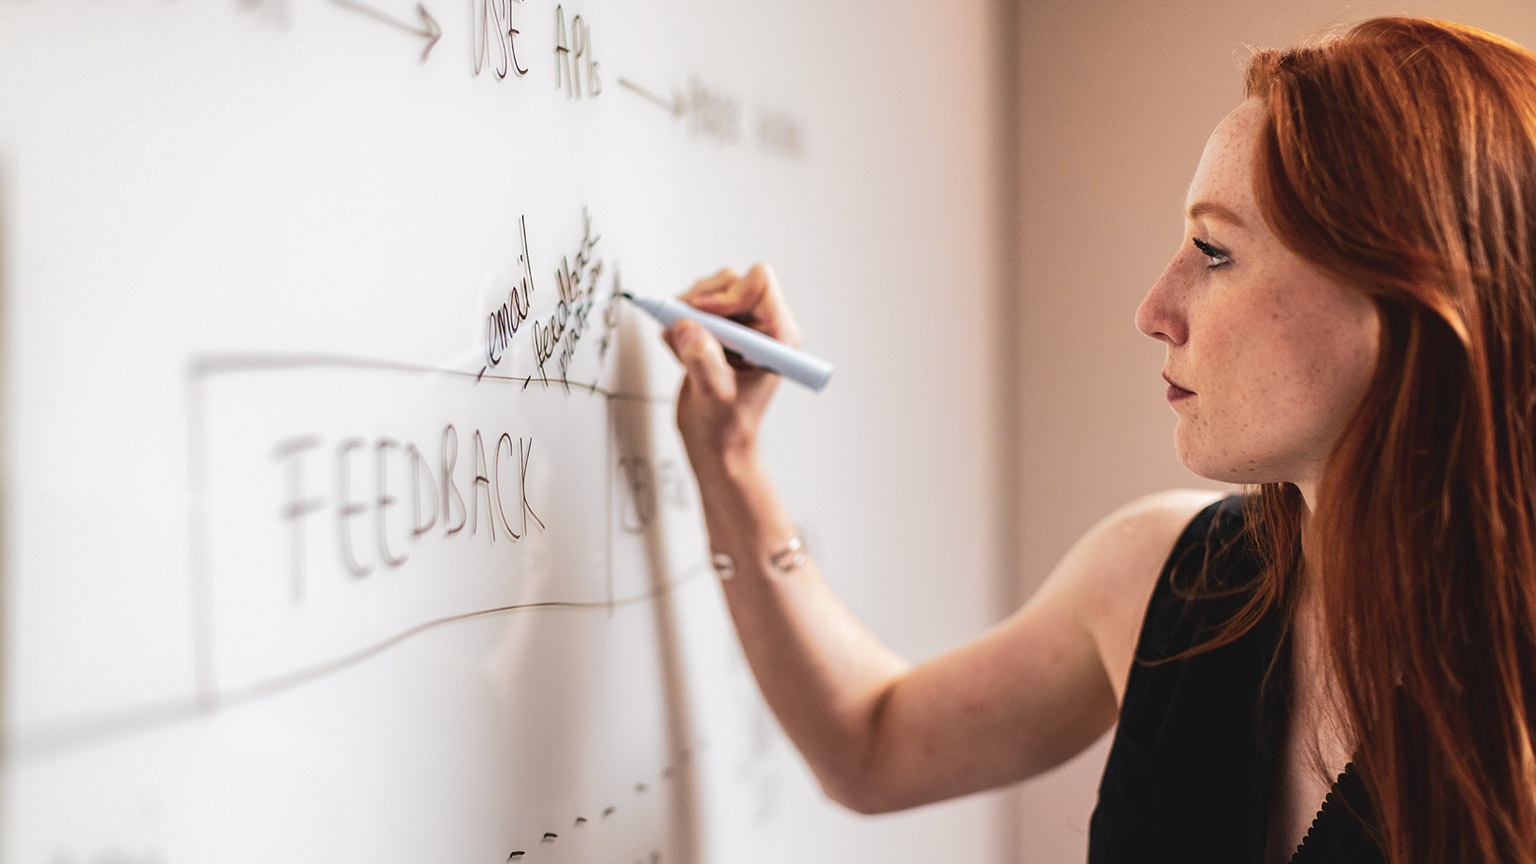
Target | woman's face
(1267,356)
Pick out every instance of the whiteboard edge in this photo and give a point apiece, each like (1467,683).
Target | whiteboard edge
(6,732)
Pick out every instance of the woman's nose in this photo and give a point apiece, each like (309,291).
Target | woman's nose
(1161,313)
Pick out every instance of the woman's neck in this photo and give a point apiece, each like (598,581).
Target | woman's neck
(1309,552)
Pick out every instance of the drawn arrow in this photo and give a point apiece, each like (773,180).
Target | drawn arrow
(677,106)
(428,28)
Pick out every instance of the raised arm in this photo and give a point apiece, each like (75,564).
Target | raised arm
(880,735)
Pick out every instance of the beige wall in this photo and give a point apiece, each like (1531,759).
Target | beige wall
(1115,102)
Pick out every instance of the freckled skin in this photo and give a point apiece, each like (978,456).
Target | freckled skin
(1277,353)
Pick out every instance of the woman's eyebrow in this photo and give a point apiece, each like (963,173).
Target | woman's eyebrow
(1218,211)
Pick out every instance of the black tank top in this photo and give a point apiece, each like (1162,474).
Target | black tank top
(1191,767)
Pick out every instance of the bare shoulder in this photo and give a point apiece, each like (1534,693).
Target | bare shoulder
(1109,573)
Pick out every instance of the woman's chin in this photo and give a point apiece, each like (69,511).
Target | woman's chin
(1220,467)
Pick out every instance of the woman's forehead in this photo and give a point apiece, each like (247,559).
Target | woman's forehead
(1225,174)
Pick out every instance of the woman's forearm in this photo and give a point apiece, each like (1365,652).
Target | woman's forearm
(823,674)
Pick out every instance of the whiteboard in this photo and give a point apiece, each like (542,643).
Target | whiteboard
(344,518)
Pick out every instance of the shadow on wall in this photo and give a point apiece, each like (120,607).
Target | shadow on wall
(554,676)
(631,420)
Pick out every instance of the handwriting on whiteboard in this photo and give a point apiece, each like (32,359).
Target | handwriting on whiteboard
(556,337)
(427,28)
(495,38)
(343,500)
(711,114)
(574,57)
(652,483)
(363,528)
(503,323)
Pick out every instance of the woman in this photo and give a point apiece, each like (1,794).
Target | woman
(1351,331)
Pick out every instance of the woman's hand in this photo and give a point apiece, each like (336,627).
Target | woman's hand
(722,400)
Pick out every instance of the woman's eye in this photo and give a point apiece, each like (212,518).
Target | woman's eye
(1216,256)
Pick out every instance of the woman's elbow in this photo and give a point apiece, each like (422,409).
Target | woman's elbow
(866,794)
(860,801)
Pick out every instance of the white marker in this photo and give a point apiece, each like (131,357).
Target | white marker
(756,348)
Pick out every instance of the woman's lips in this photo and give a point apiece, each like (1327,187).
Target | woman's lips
(1175,392)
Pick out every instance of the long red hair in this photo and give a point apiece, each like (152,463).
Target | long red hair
(1401,158)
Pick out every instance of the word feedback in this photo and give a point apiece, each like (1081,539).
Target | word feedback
(365,534)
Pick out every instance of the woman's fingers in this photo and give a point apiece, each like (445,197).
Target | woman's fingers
(773,315)
(754,299)
(722,399)
(704,359)
(710,286)
(737,297)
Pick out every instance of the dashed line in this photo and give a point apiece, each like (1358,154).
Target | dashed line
(640,788)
